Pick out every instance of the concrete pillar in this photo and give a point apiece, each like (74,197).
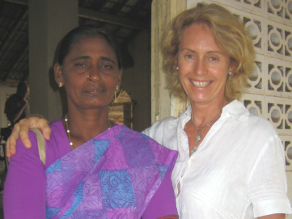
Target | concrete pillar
(162,105)
(137,80)
(49,21)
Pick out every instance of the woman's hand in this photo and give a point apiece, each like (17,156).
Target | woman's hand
(169,217)
(21,129)
(273,216)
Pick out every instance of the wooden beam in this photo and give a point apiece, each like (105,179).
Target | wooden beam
(20,2)
(137,8)
(104,17)
(14,27)
(113,19)
(20,54)
(96,4)
(118,7)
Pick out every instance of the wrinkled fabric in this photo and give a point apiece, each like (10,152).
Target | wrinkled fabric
(238,170)
(114,175)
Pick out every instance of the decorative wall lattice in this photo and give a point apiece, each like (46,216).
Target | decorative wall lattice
(272,77)
(277,110)
(279,11)
(269,92)
(287,143)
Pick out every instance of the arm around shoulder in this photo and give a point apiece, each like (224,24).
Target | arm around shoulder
(273,216)
(21,130)
(25,184)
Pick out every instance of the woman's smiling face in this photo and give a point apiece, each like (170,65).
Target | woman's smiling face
(203,66)
(90,73)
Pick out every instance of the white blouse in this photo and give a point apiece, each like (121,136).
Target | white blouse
(238,171)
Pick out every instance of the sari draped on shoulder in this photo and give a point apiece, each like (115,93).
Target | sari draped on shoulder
(114,175)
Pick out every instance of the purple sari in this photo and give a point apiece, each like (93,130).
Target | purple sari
(114,175)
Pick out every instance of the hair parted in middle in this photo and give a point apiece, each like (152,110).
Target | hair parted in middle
(78,33)
(229,34)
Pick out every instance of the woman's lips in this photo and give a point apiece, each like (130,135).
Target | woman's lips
(95,91)
(200,83)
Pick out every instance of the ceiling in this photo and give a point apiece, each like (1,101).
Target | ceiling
(124,18)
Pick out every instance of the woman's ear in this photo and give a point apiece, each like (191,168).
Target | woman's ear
(176,62)
(232,66)
(58,74)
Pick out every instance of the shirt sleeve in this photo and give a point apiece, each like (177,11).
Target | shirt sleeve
(25,184)
(163,201)
(164,132)
(267,185)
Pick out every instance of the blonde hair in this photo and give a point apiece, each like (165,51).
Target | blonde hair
(229,34)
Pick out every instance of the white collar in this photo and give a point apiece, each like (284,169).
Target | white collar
(233,109)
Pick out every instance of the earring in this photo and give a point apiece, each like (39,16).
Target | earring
(87,76)
(60,84)
(230,73)
(177,68)
(116,92)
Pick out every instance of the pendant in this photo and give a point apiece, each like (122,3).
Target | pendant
(198,138)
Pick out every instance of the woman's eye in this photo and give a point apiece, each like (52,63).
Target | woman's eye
(213,59)
(189,56)
(106,66)
(80,65)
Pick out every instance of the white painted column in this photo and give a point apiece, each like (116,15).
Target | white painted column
(162,105)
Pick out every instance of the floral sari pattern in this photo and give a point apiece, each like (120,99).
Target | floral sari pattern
(114,175)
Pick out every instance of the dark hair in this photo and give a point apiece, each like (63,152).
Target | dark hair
(21,89)
(78,33)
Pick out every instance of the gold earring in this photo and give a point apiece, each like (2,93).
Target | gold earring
(177,68)
(116,92)
(60,84)
(230,73)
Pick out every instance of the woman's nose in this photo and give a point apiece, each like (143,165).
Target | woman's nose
(94,74)
(200,67)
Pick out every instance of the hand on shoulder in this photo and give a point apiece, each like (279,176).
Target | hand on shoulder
(21,130)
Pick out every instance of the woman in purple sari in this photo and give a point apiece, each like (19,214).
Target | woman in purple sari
(93,167)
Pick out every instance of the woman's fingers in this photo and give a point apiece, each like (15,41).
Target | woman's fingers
(43,125)
(11,142)
(8,153)
(33,122)
(21,130)
(39,122)
(23,127)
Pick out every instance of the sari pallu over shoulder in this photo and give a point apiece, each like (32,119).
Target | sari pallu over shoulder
(114,175)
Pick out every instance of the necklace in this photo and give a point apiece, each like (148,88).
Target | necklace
(68,130)
(198,138)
